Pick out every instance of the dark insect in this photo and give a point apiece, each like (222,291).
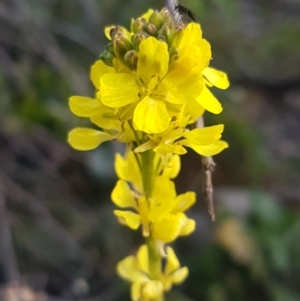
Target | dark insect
(183,11)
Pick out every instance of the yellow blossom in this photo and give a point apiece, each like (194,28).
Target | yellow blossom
(161,215)
(135,269)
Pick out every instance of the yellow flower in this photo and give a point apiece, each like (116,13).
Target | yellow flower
(212,77)
(153,86)
(136,270)
(161,215)
(104,117)
(204,141)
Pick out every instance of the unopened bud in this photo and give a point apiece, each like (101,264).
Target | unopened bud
(121,45)
(167,18)
(173,54)
(110,48)
(137,39)
(164,31)
(107,58)
(156,19)
(131,59)
(137,26)
(176,36)
(117,31)
(151,29)
(162,38)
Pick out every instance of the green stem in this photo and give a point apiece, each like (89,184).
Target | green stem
(147,172)
(154,259)
(154,263)
(154,256)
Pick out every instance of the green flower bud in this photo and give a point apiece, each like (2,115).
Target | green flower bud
(121,45)
(151,29)
(118,31)
(131,59)
(162,38)
(176,35)
(173,54)
(137,39)
(110,48)
(107,58)
(137,26)
(167,18)
(164,31)
(156,19)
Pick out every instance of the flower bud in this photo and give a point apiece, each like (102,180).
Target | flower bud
(107,58)
(131,59)
(137,26)
(118,31)
(156,19)
(175,37)
(162,38)
(110,48)
(164,31)
(121,45)
(151,29)
(173,54)
(137,39)
(167,18)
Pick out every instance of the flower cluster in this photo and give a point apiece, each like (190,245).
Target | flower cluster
(136,270)
(152,83)
(160,212)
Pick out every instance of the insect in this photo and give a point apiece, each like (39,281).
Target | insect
(183,11)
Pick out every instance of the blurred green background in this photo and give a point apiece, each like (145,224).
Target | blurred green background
(58,236)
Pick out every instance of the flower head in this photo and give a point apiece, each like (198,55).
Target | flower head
(135,269)
(152,79)
(162,214)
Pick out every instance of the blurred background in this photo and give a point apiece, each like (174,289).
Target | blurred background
(58,237)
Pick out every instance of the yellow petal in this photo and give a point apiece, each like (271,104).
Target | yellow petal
(151,116)
(127,268)
(127,169)
(108,123)
(128,218)
(209,102)
(173,167)
(209,150)
(143,258)
(107,30)
(147,15)
(118,89)
(153,59)
(184,201)
(152,289)
(192,35)
(84,106)
(188,226)
(85,139)
(167,229)
(217,78)
(180,275)
(179,89)
(203,136)
(163,149)
(172,262)
(98,70)
(194,57)
(192,111)
(162,200)
(135,291)
(122,196)
(150,144)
